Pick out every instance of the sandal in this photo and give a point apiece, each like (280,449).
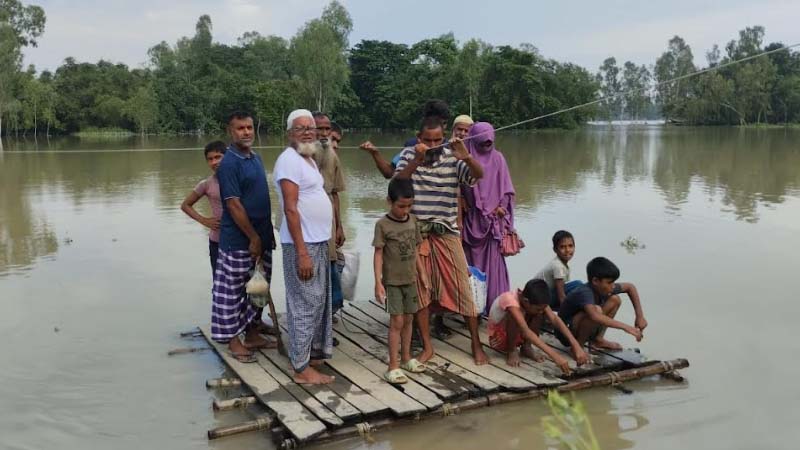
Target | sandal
(414,366)
(244,358)
(395,376)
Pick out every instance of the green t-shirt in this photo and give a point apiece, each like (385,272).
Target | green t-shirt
(399,240)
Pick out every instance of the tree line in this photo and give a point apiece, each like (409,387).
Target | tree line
(758,91)
(190,85)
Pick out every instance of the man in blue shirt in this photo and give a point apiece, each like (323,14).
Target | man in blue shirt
(246,238)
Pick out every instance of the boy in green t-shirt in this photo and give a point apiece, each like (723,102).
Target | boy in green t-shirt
(396,240)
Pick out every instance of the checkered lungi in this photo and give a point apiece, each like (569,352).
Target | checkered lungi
(231,310)
(308,306)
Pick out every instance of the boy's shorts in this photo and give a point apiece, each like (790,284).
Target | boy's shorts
(402,299)
(498,338)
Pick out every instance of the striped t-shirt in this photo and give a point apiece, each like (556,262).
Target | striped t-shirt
(436,187)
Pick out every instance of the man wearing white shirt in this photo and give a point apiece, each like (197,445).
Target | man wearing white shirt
(304,235)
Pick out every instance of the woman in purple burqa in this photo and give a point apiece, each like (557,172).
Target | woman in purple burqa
(489,211)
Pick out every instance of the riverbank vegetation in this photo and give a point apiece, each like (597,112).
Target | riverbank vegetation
(189,85)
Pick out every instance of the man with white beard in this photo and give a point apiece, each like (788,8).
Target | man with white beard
(304,234)
(331,169)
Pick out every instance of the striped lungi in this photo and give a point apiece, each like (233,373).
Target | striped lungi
(443,276)
(308,306)
(231,311)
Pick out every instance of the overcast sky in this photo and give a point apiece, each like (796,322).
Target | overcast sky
(584,32)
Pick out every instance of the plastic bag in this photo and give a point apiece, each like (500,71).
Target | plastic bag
(350,274)
(477,282)
(258,284)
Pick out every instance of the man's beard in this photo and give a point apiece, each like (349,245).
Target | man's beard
(306,149)
(324,154)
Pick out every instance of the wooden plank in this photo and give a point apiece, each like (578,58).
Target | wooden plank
(526,369)
(364,370)
(412,389)
(322,394)
(599,360)
(547,366)
(348,391)
(313,405)
(629,356)
(446,388)
(399,403)
(437,363)
(353,394)
(463,358)
(299,421)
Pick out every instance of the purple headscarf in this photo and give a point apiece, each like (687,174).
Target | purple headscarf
(496,183)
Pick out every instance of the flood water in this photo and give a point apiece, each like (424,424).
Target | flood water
(100,271)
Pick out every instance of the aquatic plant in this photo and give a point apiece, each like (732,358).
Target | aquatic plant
(569,424)
(632,244)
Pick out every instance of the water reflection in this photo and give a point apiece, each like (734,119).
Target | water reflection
(25,234)
(744,169)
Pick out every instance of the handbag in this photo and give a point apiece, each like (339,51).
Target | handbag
(511,243)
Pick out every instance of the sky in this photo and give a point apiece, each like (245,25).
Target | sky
(582,32)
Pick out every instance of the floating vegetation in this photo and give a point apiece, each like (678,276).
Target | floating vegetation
(569,424)
(632,244)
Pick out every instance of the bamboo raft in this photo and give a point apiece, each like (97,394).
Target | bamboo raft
(359,402)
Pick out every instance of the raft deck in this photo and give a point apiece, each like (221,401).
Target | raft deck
(360,401)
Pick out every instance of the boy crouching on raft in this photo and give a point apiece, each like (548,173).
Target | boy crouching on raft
(589,310)
(395,264)
(515,320)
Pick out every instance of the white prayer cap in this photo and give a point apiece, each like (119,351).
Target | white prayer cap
(297,113)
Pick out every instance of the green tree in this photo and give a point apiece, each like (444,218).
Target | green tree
(676,62)
(142,108)
(611,88)
(20,26)
(320,63)
(470,67)
(635,80)
(274,100)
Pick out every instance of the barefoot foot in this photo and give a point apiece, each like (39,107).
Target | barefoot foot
(479,356)
(530,353)
(425,356)
(606,344)
(312,376)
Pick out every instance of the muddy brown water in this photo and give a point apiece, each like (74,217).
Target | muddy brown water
(100,270)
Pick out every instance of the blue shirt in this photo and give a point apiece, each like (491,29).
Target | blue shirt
(241,175)
(581,296)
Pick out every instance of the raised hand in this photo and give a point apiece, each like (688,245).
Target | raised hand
(368,147)
(459,149)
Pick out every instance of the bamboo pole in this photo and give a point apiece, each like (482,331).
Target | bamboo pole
(260,423)
(223,382)
(234,403)
(182,351)
(364,429)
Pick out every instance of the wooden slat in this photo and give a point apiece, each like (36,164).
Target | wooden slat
(446,388)
(438,363)
(463,357)
(526,369)
(350,392)
(378,367)
(629,356)
(322,393)
(354,394)
(399,403)
(364,370)
(300,394)
(546,366)
(299,421)
(599,360)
